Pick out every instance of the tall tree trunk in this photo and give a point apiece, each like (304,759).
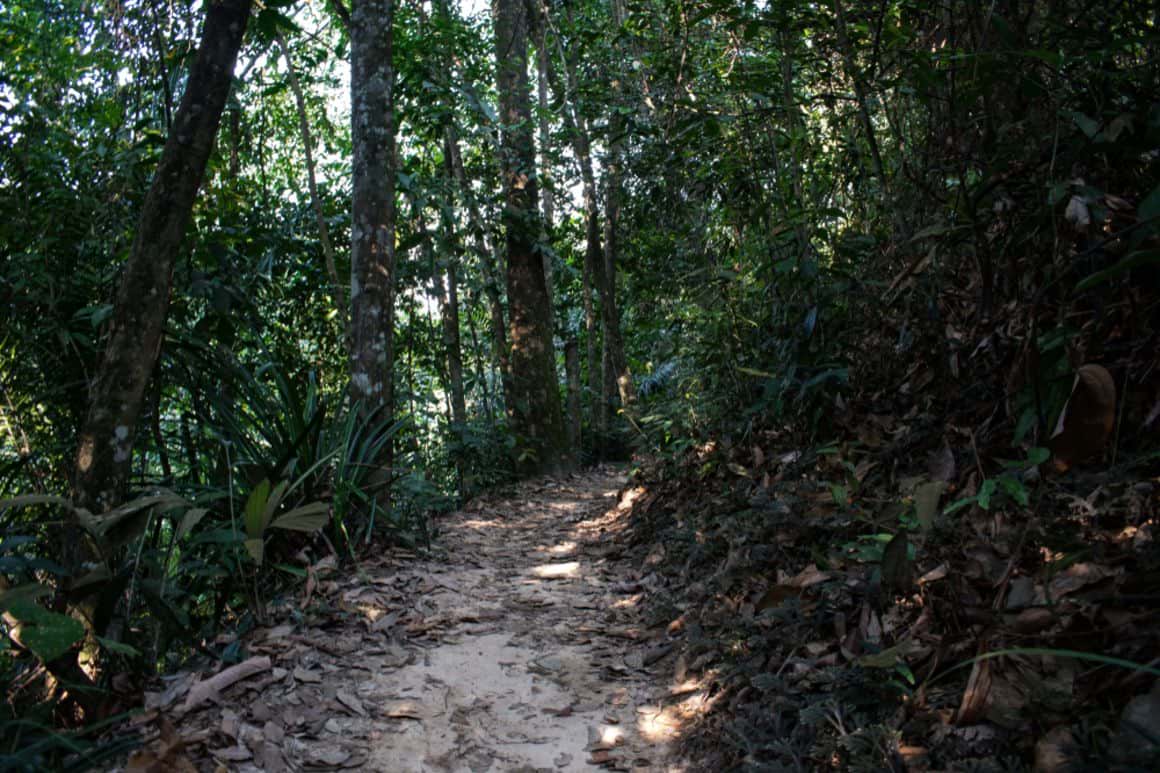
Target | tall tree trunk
(610,314)
(447,290)
(572,378)
(312,183)
(593,251)
(373,215)
(454,163)
(105,451)
(142,302)
(538,15)
(536,415)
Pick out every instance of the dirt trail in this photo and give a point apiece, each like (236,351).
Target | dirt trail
(518,646)
(538,674)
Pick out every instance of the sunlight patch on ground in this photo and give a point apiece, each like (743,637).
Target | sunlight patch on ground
(628,602)
(485,524)
(610,736)
(664,724)
(371,612)
(563,549)
(557,571)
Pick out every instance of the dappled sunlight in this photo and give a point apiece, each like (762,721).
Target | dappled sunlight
(610,736)
(657,723)
(562,549)
(567,570)
(371,612)
(567,506)
(486,524)
(628,602)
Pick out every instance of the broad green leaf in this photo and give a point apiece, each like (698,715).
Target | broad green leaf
(1015,489)
(1150,206)
(255,506)
(28,500)
(985,492)
(1127,263)
(311,517)
(1038,455)
(119,648)
(273,503)
(191,519)
(926,498)
(48,634)
(896,568)
(257,549)
(23,594)
(1089,126)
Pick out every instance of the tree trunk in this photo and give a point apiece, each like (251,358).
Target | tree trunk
(609,312)
(373,215)
(447,290)
(142,302)
(540,34)
(312,183)
(105,451)
(454,161)
(572,378)
(536,415)
(593,251)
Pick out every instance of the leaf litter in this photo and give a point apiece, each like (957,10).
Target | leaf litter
(520,646)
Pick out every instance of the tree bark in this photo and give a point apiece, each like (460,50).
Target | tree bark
(538,15)
(142,302)
(593,250)
(105,451)
(610,314)
(572,378)
(447,290)
(536,415)
(373,214)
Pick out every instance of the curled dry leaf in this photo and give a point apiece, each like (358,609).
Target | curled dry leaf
(210,688)
(1087,420)
(975,696)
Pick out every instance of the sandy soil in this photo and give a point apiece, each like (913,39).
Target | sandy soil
(539,674)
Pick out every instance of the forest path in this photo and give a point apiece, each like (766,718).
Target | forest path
(517,644)
(534,668)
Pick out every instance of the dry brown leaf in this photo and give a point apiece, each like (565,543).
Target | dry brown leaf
(208,689)
(975,696)
(351,701)
(1087,420)
(404,710)
(309,677)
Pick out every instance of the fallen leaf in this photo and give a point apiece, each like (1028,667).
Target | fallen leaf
(351,702)
(975,696)
(206,690)
(1087,419)
(404,709)
(309,677)
(897,573)
(926,499)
